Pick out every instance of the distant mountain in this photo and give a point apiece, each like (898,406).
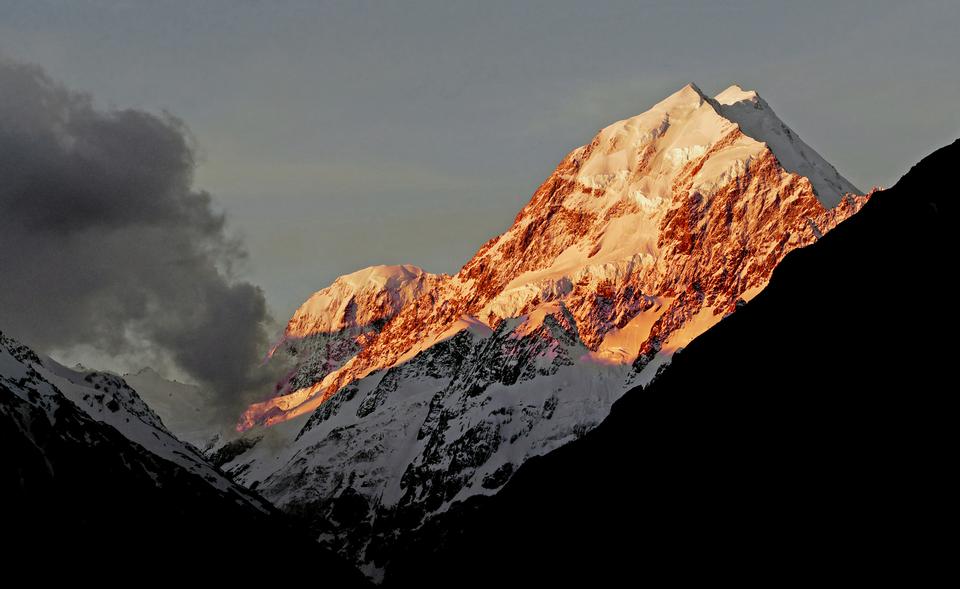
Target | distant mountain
(808,436)
(187,410)
(334,324)
(94,486)
(414,391)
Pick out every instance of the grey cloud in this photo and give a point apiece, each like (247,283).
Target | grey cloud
(104,242)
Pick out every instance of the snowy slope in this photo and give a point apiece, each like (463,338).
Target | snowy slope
(678,197)
(104,397)
(782,441)
(336,323)
(455,420)
(360,299)
(757,119)
(186,410)
(93,485)
(639,241)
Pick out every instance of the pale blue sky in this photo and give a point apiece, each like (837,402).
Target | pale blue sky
(343,134)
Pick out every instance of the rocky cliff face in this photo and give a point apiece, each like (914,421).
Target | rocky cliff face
(637,243)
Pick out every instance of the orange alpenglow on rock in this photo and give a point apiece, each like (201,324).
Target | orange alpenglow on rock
(647,235)
(413,391)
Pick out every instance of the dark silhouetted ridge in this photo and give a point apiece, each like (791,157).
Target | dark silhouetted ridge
(806,436)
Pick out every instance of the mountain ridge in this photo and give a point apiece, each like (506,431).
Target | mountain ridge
(638,242)
(91,494)
(812,455)
(479,291)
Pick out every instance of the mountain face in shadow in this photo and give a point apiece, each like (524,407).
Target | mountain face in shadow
(84,500)
(803,437)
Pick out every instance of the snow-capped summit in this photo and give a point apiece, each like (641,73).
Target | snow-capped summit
(690,96)
(757,119)
(336,323)
(638,242)
(676,197)
(359,299)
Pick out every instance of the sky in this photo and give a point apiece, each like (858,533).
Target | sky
(337,135)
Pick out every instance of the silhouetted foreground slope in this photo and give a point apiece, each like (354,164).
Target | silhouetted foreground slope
(80,501)
(805,436)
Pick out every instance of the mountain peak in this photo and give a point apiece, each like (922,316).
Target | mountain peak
(689,96)
(382,275)
(757,120)
(735,93)
(626,209)
(359,298)
(640,240)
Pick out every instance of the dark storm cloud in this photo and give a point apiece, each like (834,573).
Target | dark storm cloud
(104,243)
